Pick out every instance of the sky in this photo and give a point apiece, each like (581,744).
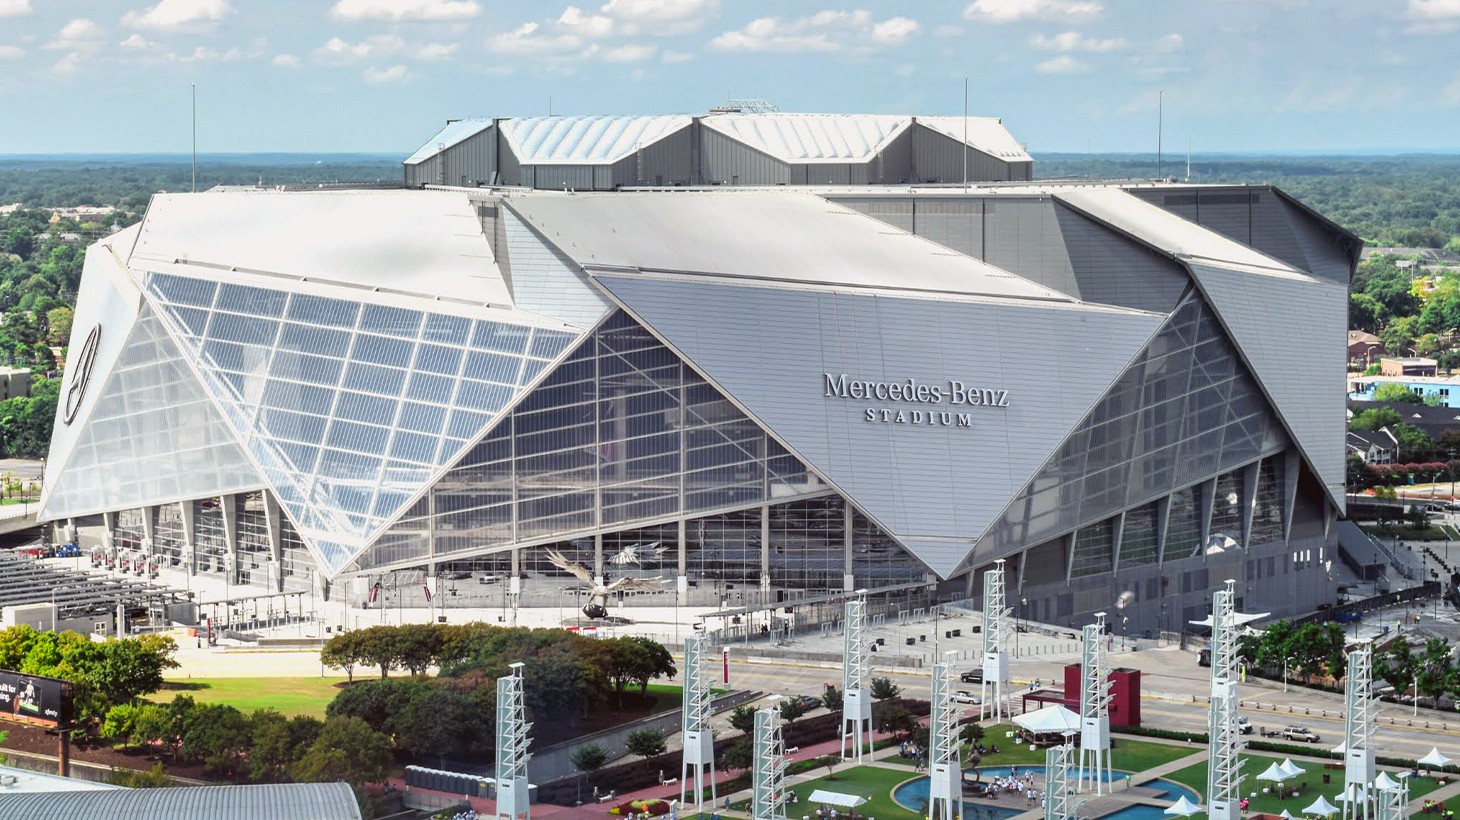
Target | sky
(325,76)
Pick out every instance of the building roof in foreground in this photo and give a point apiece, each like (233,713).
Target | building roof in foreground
(24,781)
(277,801)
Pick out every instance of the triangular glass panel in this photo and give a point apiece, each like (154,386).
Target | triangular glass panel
(153,437)
(348,407)
(1124,454)
(620,433)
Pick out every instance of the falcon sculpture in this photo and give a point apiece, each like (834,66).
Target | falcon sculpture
(598,593)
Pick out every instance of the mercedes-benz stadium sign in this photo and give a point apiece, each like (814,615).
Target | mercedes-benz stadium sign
(912,391)
(81,373)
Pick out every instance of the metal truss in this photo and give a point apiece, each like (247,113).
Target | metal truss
(856,696)
(1360,710)
(1057,782)
(699,740)
(768,772)
(994,691)
(513,798)
(1224,766)
(945,776)
(1094,707)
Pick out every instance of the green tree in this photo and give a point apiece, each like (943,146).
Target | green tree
(1374,418)
(271,750)
(1436,671)
(1396,665)
(416,646)
(1396,393)
(441,721)
(792,708)
(829,762)
(152,723)
(1399,335)
(742,719)
(1365,312)
(153,778)
(646,742)
(737,757)
(348,750)
(884,689)
(381,704)
(343,652)
(218,736)
(120,723)
(831,698)
(588,758)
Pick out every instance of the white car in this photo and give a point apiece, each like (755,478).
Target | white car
(967,697)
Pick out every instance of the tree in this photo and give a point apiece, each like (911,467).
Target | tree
(884,689)
(382,704)
(1396,665)
(129,668)
(1374,418)
(894,719)
(379,648)
(152,723)
(120,723)
(742,719)
(1436,672)
(740,756)
(217,736)
(439,720)
(416,646)
(831,698)
(153,778)
(1395,393)
(792,708)
(829,762)
(58,325)
(271,751)
(588,758)
(343,652)
(646,742)
(347,749)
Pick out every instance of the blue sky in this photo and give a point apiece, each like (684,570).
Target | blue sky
(1066,75)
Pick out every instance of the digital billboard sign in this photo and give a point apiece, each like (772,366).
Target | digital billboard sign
(34,699)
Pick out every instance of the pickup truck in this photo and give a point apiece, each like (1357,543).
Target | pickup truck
(1302,733)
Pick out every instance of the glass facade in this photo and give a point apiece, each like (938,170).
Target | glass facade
(621,432)
(348,407)
(1184,410)
(1138,537)
(1183,531)
(1267,508)
(152,436)
(1227,506)
(1094,547)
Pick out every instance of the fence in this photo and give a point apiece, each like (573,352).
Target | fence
(1354,609)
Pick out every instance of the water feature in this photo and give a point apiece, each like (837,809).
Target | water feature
(914,795)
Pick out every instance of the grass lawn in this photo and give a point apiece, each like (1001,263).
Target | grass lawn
(871,782)
(1196,777)
(1130,755)
(291,696)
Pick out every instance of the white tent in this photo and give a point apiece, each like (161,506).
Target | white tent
(1054,718)
(1434,759)
(1322,807)
(822,796)
(1292,768)
(1274,773)
(1183,807)
(1285,815)
(1354,794)
(1385,782)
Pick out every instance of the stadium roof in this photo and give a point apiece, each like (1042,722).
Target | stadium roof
(812,137)
(987,134)
(454,132)
(584,140)
(280,801)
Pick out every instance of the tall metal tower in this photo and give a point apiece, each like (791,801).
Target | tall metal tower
(768,773)
(995,662)
(1360,710)
(699,741)
(945,776)
(513,799)
(1224,767)
(856,696)
(1390,803)
(1094,707)
(1057,781)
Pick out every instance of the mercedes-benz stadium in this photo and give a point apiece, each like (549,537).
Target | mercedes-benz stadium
(763,358)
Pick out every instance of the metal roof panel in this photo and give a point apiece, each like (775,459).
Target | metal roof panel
(455,131)
(587,140)
(812,137)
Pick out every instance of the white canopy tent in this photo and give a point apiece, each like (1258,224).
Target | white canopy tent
(1054,718)
(1183,807)
(1434,759)
(830,798)
(1292,768)
(1322,807)
(1275,773)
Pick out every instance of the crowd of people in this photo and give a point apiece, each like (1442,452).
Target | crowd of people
(1016,785)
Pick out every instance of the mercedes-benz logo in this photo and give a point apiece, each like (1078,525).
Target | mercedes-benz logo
(81,373)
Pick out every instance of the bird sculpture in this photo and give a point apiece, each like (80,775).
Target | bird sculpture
(631,554)
(598,593)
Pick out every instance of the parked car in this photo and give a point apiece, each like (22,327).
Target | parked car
(808,701)
(962,696)
(1302,733)
(972,676)
(1243,725)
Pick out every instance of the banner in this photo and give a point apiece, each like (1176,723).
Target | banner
(33,698)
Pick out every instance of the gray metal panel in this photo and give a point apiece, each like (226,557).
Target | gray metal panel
(509,166)
(426,172)
(939,158)
(1276,321)
(667,161)
(724,161)
(562,177)
(955,223)
(1023,236)
(1229,213)
(1111,269)
(897,212)
(1179,202)
(547,282)
(1322,245)
(1272,232)
(471,161)
(894,162)
(281,801)
(770,349)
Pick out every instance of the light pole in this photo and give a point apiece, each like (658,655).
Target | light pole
(1023,602)
(1414,704)
(1285,673)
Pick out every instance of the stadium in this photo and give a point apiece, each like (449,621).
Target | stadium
(734,363)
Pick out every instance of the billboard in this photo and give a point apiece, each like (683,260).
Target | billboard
(34,699)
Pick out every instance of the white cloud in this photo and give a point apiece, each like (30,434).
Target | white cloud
(1075,41)
(526,41)
(336,50)
(826,31)
(285,61)
(1433,10)
(136,42)
(1168,44)
(15,8)
(69,64)
(382,76)
(676,56)
(434,51)
(397,11)
(1063,64)
(179,15)
(661,17)
(80,34)
(575,21)
(948,30)
(1010,11)
(631,53)
(11,52)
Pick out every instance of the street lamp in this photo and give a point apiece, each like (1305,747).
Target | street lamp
(1414,704)
(1286,661)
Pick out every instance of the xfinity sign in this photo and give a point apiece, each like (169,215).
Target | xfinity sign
(917,397)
